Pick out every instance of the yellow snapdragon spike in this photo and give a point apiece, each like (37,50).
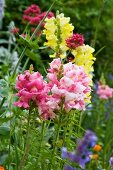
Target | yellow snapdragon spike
(57,30)
(83,57)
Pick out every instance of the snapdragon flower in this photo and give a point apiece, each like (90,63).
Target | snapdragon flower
(104,91)
(67,85)
(61,39)
(32,87)
(56,37)
(83,56)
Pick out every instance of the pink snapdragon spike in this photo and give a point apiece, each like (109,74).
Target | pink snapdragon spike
(104,91)
(69,84)
(32,87)
(75,41)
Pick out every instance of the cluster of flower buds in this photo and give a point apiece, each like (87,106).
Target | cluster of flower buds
(33,15)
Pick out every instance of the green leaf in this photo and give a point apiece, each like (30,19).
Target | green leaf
(27,42)
(5,119)
(33,56)
(3,157)
(34,45)
(3,88)
(23,41)
(4,130)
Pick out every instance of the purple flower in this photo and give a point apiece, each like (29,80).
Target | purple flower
(111,76)
(81,155)
(82,145)
(91,138)
(68,167)
(82,159)
(70,155)
(64,153)
(111,161)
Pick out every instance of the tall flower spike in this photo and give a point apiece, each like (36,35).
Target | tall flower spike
(56,37)
(70,83)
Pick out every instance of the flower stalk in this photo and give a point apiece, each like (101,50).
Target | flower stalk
(27,145)
(55,141)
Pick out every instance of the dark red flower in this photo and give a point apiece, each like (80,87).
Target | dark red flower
(75,40)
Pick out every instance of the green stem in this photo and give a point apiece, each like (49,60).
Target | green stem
(80,122)
(64,137)
(55,141)
(42,135)
(2,102)
(100,114)
(9,149)
(65,129)
(27,145)
(16,151)
(24,67)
